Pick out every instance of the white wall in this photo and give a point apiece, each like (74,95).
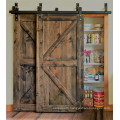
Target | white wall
(87,5)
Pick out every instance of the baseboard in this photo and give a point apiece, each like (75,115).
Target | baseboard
(109,108)
(9,107)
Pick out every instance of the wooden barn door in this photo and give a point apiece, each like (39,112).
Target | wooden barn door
(24,98)
(59,60)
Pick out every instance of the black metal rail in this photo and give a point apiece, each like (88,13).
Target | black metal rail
(15,10)
(59,12)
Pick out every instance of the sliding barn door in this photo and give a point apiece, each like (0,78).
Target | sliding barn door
(24,63)
(59,73)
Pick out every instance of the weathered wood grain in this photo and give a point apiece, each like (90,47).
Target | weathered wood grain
(59,40)
(53,30)
(54,17)
(16,71)
(80,60)
(71,63)
(57,64)
(26,28)
(40,85)
(24,64)
(30,62)
(59,85)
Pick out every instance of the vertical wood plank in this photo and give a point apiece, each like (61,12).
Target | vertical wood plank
(106,60)
(24,92)
(54,35)
(80,61)
(46,36)
(40,88)
(64,55)
(16,63)
(74,56)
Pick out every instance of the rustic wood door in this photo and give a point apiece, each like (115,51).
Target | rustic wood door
(24,98)
(59,63)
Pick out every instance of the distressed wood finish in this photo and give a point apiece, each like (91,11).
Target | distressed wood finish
(24,63)
(69,63)
(16,63)
(59,61)
(40,85)
(59,17)
(60,39)
(80,61)
(59,85)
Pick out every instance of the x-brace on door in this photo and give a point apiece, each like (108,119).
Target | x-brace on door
(59,63)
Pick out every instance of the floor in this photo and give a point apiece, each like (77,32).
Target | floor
(86,115)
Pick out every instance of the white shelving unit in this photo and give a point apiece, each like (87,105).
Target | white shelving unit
(93,47)
(98,50)
(93,30)
(91,64)
(93,81)
(101,44)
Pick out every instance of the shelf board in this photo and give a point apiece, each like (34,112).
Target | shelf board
(88,64)
(93,81)
(93,30)
(101,44)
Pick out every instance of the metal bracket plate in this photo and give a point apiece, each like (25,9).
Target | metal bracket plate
(79,9)
(39,9)
(106,7)
(56,9)
(80,13)
(77,6)
(15,8)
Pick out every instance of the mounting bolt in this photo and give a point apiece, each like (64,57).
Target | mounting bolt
(39,9)
(16,17)
(15,9)
(79,9)
(77,6)
(56,9)
(106,7)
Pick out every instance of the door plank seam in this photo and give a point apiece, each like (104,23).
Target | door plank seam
(27,31)
(59,85)
(69,63)
(59,40)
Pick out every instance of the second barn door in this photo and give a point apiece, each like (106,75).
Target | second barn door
(59,63)
(24,87)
